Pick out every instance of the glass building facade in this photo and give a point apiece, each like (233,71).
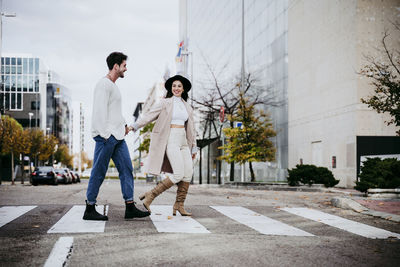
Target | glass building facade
(59,113)
(20,89)
(214,41)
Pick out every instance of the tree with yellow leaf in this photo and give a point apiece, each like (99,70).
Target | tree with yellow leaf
(9,132)
(62,155)
(47,147)
(251,142)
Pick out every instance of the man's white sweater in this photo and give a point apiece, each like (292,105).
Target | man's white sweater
(107,117)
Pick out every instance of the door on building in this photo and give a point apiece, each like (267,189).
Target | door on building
(316,150)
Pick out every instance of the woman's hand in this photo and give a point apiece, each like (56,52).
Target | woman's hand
(194,155)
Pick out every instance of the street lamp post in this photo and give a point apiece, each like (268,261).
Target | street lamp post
(3,14)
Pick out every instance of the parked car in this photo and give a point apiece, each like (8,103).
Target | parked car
(78,178)
(68,174)
(44,175)
(62,177)
(74,178)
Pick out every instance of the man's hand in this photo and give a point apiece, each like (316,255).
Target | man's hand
(194,155)
(127,129)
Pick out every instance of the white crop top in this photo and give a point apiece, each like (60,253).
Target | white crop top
(179,113)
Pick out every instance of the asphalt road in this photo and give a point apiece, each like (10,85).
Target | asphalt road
(25,241)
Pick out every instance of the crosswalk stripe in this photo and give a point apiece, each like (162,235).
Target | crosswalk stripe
(10,213)
(259,222)
(60,252)
(72,222)
(341,223)
(161,216)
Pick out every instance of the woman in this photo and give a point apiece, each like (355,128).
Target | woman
(172,142)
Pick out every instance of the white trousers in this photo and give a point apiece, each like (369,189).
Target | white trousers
(179,156)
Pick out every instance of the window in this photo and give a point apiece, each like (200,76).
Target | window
(25,65)
(25,83)
(31,65)
(13,61)
(30,84)
(19,83)
(13,83)
(36,65)
(19,61)
(37,84)
(13,101)
(35,105)
(7,61)
(19,101)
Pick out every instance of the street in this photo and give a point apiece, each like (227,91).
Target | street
(229,227)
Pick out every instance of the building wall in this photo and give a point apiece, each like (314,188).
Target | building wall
(214,33)
(23,81)
(325,51)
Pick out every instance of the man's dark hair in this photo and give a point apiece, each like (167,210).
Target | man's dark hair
(115,58)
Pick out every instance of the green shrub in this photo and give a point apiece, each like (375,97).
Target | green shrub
(378,173)
(311,174)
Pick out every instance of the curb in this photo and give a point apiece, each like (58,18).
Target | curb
(280,187)
(347,203)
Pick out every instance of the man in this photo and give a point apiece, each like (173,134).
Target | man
(109,130)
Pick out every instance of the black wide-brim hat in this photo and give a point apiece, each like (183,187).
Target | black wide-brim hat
(185,82)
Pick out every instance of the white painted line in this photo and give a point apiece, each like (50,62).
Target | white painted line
(341,223)
(72,222)
(10,213)
(60,252)
(258,222)
(162,218)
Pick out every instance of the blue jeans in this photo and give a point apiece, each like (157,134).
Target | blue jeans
(107,149)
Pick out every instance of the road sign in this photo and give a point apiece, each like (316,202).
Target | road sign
(221,114)
(237,124)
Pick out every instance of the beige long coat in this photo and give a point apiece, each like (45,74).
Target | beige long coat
(157,159)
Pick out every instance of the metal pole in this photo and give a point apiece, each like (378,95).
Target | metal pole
(242,77)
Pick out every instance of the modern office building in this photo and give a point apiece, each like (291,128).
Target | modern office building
(212,35)
(32,94)
(328,124)
(306,54)
(59,113)
(23,89)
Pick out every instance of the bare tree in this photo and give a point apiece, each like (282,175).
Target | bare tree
(224,94)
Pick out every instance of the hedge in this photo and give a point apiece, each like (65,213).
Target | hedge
(378,173)
(311,174)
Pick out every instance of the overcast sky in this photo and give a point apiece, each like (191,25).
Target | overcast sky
(74,37)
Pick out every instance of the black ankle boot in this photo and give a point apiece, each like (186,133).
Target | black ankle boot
(132,212)
(92,214)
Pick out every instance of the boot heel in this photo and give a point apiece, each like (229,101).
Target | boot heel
(141,197)
(174,212)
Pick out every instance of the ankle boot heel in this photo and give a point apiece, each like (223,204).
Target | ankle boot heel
(174,212)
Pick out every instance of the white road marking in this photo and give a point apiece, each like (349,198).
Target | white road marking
(60,252)
(162,218)
(72,222)
(341,223)
(10,213)
(258,222)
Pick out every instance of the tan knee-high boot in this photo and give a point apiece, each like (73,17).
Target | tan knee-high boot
(153,193)
(181,193)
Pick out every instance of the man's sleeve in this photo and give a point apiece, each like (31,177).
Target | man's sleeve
(100,109)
